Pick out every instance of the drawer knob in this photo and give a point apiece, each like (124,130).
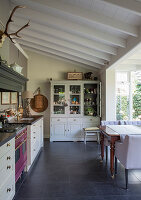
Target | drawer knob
(8,144)
(34,137)
(58,119)
(90,119)
(74,120)
(9,167)
(8,189)
(34,150)
(8,157)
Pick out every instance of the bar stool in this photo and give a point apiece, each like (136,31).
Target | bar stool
(91,131)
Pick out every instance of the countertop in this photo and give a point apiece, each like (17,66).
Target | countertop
(27,122)
(6,136)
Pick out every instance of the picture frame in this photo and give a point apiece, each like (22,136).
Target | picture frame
(74,75)
(5,98)
(14,98)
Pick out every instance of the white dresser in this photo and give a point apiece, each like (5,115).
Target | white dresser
(74,105)
(7,170)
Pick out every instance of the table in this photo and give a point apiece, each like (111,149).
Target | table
(113,133)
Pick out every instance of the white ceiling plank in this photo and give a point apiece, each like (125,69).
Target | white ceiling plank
(131,5)
(61,54)
(71,27)
(131,62)
(82,14)
(64,50)
(78,40)
(86,66)
(63,43)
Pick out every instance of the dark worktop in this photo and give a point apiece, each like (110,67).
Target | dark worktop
(27,122)
(6,136)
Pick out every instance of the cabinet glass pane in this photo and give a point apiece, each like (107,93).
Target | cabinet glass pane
(74,109)
(59,110)
(59,99)
(75,89)
(90,99)
(75,99)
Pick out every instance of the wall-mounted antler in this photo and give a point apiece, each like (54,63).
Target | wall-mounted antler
(4,34)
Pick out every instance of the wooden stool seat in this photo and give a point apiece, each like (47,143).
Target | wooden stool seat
(91,131)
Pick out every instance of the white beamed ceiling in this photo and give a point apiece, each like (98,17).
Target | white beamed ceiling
(88,32)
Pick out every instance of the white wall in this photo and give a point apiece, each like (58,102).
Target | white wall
(40,69)
(110,95)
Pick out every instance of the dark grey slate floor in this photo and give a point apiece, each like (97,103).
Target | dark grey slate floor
(73,171)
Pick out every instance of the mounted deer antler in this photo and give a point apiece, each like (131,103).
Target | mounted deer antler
(4,34)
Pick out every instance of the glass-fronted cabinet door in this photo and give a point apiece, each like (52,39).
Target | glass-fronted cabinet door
(59,100)
(75,100)
(91,99)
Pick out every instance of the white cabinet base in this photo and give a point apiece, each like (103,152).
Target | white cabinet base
(71,129)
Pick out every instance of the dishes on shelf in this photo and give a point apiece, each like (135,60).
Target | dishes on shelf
(88,103)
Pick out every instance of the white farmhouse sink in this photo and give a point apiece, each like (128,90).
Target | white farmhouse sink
(27,118)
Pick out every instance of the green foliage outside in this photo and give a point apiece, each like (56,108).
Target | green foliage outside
(137,102)
(122,111)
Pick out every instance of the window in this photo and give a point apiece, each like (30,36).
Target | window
(128,95)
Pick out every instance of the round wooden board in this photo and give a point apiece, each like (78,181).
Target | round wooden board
(44,107)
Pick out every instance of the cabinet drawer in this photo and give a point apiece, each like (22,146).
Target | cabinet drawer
(94,120)
(33,128)
(7,191)
(34,150)
(59,120)
(7,159)
(6,172)
(7,147)
(75,120)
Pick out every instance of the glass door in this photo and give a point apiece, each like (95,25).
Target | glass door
(59,101)
(90,99)
(74,99)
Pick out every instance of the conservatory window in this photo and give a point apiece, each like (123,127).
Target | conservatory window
(128,95)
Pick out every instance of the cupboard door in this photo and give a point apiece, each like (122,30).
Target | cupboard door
(91,99)
(58,100)
(74,130)
(75,100)
(59,130)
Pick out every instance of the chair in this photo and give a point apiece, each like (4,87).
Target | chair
(106,142)
(91,131)
(128,153)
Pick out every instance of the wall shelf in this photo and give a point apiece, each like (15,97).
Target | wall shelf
(11,80)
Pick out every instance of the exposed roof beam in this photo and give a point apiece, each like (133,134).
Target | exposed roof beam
(69,26)
(81,14)
(58,53)
(63,43)
(133,44)
(64,50)
(131,5)
(59,58)
(74,39)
